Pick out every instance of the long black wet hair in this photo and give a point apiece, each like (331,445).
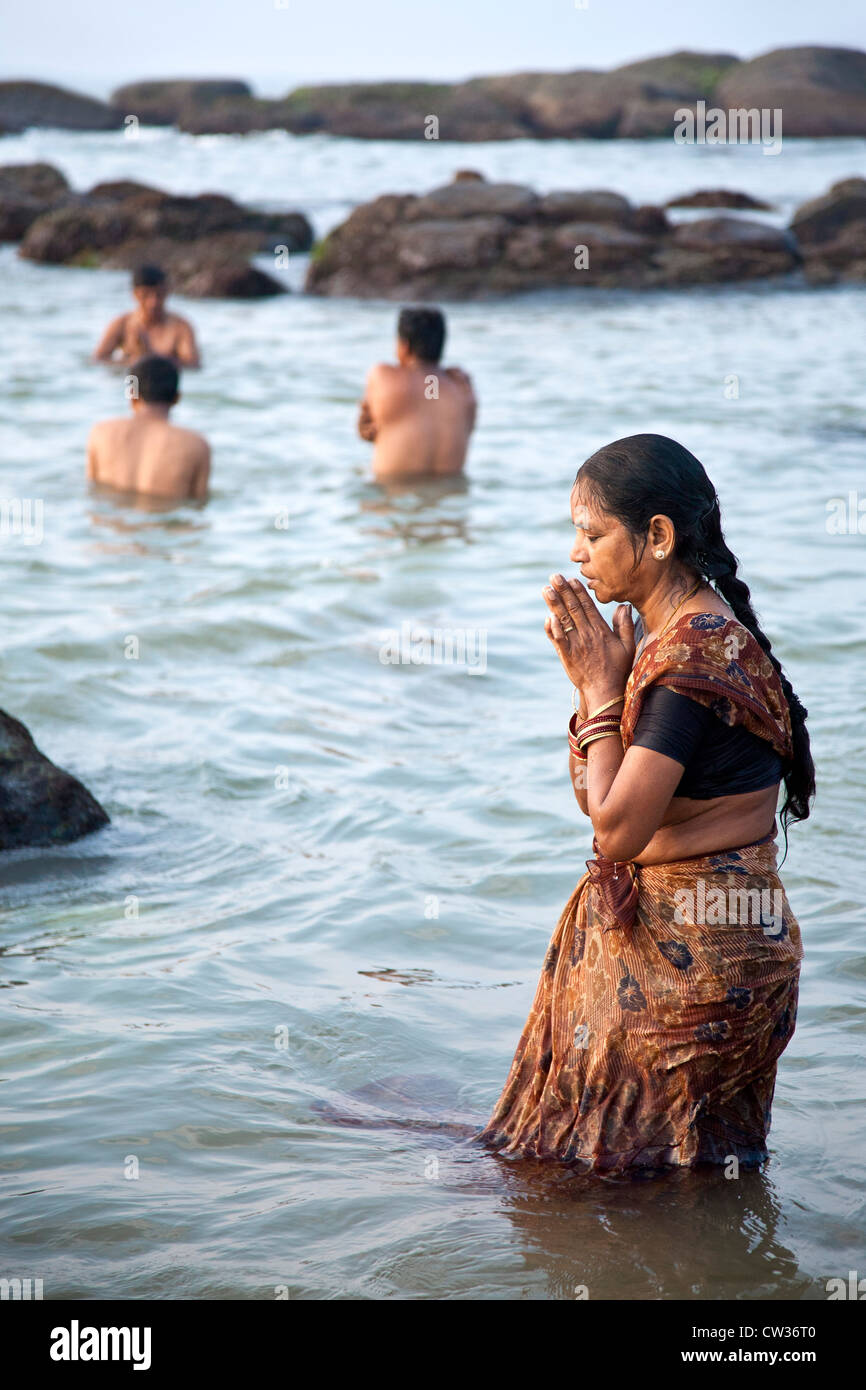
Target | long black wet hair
(646,475)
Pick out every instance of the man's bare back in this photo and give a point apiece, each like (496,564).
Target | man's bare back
(420,416)
(418,413)
(144,453)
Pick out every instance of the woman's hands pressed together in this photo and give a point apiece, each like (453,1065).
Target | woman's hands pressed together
(596,658)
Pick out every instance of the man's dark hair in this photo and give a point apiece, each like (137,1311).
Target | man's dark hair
(423,332)
(148,277)
(157,380)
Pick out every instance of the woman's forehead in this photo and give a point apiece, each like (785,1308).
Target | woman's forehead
(583,513)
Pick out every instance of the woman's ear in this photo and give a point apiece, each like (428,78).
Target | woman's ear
(662,534)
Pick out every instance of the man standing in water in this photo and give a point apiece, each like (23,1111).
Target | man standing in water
(144,453)
(148,328)
(418,414)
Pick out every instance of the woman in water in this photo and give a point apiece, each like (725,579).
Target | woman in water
(669,990)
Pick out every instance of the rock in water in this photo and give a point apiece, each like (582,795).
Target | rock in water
(470,240)
(40,804)
(26,192)
(24,104)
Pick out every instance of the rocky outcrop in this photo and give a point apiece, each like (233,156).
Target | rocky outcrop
(24,104)
(821,91)
(26,192)
(635,100)
(831,232)
(719,198)
(638,99)
(472,240)
(164,102)
(205,242)
(40,804)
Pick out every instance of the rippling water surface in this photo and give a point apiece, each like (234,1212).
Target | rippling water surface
(330,880)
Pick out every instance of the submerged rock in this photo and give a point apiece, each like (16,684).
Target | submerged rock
(40,804)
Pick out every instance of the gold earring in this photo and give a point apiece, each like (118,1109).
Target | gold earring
(660,555)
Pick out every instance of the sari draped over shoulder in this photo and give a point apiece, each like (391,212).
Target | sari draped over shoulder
(669,991)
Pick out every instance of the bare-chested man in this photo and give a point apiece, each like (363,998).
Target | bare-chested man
(419,414)
(143,453)
(148,328)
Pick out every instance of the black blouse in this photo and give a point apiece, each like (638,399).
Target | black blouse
(719,759)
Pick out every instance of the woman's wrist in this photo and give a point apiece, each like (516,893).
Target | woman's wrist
(602,697)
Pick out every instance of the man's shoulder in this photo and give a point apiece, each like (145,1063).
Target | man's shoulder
(386,379)
(458,376)
(190,439)
(111,426)
(384,371)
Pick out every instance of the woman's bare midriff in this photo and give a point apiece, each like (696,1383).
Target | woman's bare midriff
(704,827)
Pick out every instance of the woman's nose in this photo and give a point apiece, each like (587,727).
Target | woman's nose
(578,554)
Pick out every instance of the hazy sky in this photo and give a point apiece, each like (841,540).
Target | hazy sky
(95,44)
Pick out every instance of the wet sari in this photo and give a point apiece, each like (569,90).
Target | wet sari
(669,991)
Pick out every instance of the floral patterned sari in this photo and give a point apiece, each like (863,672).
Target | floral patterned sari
(669,991)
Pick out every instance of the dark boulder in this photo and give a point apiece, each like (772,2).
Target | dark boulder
(822,219)
(204,242)
(25,104)
(26,192)
(831,233)
(118,190)
(650,220)
(716,250)
(212,278)
(76,233)
(470,198)
(40,804)
(216,267)
(719,198)
(590,206)
(40,181)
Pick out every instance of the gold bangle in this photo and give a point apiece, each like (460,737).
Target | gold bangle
(610,704)
(611,733)
(574,691)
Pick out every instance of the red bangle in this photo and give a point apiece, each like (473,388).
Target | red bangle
(580,734)
(573,725)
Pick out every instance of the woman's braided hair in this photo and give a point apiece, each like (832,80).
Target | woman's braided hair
(646,475)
